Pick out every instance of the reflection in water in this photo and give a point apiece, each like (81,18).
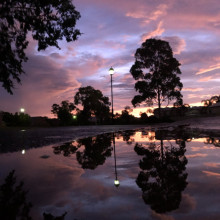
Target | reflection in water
(116,182)
(214,141)
(59,185)
(90,152)
(163,175)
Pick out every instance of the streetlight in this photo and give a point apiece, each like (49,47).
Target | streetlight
(111,72)
(22,110)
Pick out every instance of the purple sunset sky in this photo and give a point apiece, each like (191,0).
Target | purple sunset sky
(112,31)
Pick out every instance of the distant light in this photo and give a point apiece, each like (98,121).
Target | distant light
(23,151)
(116,182)
(23,130)
(111,71)
(74,117)
(22,110)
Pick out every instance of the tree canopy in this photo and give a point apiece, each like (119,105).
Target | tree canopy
(48,20)
(209,102)
(93,102)
(155,70)
(64,111)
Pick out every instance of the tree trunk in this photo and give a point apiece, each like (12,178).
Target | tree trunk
(159,103)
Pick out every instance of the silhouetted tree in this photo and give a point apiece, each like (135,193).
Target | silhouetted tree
(64,111)
(156,70)
(144,117)
(49,22)
(17,119)
(125,117)
(13,204)
(211,101)
(93,102)
(163,176)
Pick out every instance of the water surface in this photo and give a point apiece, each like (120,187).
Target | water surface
(162,175)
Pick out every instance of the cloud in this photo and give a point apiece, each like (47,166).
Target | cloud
(210,68)
(206,79)
(196,155)
(209,173)
(147,16)
(157,32)
(192,89)
(177,44)
(215,165)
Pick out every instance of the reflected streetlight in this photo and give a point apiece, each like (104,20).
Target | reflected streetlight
(111,72)
(116,182)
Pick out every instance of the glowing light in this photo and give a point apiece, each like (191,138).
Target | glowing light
(22,110)
(74,117)
(111,71)
(23,151)
(116,182)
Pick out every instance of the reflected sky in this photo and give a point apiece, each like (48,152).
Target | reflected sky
(78,177)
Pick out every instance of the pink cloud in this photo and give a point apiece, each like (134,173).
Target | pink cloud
(147,15)
(206,79)
(192,89)
(210,68)
(215,165)
(196,155)
(177,44)
(157,32)
(209,173)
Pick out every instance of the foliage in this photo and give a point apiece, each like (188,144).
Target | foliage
(125,117)
(18,119)
(49,21)
(162,177)
(211,101)
(64,112)
(90,152)
(13,204)
(156,70)
(93,102)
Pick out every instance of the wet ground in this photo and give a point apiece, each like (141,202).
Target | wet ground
(167,173)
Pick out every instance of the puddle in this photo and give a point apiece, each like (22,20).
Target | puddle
(137,174)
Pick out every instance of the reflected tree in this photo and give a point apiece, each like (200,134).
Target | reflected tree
(128,136)
(66,149)
(90,152)
(212,140)
(96,150)
(163,175)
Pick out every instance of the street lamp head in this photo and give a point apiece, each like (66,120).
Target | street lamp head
(116,183)
(111,71)
(22,110)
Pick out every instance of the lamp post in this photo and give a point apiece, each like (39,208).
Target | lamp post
(111,72)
